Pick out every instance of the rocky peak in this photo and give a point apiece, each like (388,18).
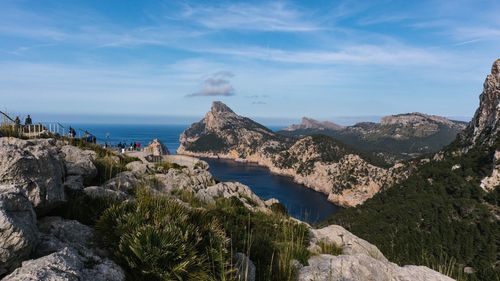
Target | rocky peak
(220,107)
(485,126)
(309,123)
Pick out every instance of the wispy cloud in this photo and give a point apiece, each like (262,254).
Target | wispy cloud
(216,85)
(271,16)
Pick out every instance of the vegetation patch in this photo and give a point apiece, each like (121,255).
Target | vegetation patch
(156,238)
(442,211)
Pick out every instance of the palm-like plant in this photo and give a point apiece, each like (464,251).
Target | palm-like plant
(157,238)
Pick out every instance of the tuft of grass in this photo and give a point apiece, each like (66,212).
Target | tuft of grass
(165,166)
(272,241)
(328,248)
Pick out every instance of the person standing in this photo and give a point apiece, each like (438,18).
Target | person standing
(28,121)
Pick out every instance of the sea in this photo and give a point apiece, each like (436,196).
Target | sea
(301,202)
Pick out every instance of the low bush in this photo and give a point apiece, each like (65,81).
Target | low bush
(156,238)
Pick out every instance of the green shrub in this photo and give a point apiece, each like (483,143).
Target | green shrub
(156,238)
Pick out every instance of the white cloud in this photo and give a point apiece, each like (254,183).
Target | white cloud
(216,85)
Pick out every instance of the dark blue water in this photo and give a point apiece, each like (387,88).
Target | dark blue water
(301,202)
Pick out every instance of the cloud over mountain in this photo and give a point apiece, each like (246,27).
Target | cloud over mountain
(218,84)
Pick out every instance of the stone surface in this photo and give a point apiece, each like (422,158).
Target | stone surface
(349,243)
(65,265)
(485,126)
(18,231)
(66,252)
(124,181)
(362,267)
(246,268)
(79,162)
(98,192)
(228,190)
(35,166)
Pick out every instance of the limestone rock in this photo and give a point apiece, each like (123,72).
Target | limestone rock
(140,168)
(98,192)
(492,181)
(485,126)
(184,179)
(362,267)
(66,252)
(79,162)
(228,190)
(349,243)
(246,268)
(18,231)
(35,166)
(65,265)
(124,181)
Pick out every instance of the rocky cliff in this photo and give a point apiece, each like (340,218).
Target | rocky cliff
(317,162)
(451,199)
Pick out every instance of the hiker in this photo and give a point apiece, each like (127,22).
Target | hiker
(17,122)
(28,121)
(72,132)
(94,140)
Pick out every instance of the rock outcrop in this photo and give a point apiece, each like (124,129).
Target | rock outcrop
(79,162)
(35,166)
(66,264)
(362,267)
(66,252)
(359,260)
(484,129)
(18,231)
(317,162)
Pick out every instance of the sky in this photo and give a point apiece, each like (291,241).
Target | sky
(274,60)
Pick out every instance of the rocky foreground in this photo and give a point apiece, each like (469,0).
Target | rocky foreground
(39,176)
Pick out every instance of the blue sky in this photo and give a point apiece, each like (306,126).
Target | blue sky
(273,59)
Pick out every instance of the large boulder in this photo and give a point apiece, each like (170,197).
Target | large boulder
(363,267)
(18,231)
(79,162)
(67,252)
(228,190)
(36,167)
(350,243)
(68,265)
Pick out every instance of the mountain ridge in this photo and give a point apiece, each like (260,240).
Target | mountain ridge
(320,163)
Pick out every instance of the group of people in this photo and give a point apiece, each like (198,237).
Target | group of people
(27,121)
(133,146)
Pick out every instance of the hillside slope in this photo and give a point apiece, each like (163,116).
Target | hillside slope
(448,209)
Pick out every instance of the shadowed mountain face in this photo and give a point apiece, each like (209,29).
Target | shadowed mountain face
(395,138)
(449,207)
